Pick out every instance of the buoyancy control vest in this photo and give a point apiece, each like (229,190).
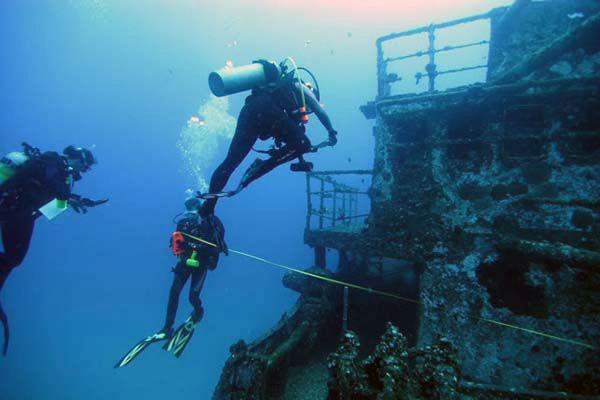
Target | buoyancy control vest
(32,180)
(196,253)
(286,96)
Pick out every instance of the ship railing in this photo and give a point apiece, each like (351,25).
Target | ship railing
(333,205)
(431,72)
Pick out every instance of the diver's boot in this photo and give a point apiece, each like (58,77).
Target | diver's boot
(4,320)
(4,271)
(197,314)
(165,333)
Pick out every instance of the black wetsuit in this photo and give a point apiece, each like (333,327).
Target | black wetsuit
(210,229)
(267,115)
(38,181)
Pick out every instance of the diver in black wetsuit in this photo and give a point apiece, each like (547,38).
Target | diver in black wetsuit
(195,259)
(271,111)
(33,183)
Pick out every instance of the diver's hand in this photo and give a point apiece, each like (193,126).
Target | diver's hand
(80,205)
(223,247)
(92,203)
(77,206)
(212,262)
(332,137)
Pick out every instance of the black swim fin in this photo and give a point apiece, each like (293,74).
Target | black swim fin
(181,337)
(141,346)
(4,320)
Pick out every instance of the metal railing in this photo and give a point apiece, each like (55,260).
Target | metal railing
(338,206)
(384,80)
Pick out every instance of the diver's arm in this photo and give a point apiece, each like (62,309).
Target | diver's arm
(315,106)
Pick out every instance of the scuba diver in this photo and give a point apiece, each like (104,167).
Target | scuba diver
(277,108)
(197,242)
(32,184)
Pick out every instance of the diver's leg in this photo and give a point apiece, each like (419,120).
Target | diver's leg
(181,275)
(16,235)
(182,335)
(198,278)
(244,138)
(4,271)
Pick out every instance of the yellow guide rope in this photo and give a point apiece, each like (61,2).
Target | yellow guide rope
(387,294)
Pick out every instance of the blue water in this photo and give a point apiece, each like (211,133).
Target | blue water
(125,77)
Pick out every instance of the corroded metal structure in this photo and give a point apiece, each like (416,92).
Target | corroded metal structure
(490,193)
(492,188)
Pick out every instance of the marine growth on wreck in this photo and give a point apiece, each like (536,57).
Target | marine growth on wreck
(474,272)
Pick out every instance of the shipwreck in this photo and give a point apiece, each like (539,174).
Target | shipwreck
(476,259)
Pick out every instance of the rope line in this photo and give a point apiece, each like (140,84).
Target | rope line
(387,294)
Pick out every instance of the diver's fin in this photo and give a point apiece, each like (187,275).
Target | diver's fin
(257,169)
(181,337)
(261,167)
(141,346)
(253,172)
(4,320)
(208,196)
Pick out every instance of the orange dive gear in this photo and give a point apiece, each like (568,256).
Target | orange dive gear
(176,241)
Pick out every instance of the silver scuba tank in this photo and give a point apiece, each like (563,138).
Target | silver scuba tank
(231,80)
(10,163)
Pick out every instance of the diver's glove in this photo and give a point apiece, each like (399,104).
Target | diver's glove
(81,204)
(211,262)
(223,247)
(332,137)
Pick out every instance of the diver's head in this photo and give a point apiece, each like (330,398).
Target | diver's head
(192,204)
(79,160)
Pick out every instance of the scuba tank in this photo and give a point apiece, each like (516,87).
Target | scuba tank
(270,77)
(231,80)
(10,163)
